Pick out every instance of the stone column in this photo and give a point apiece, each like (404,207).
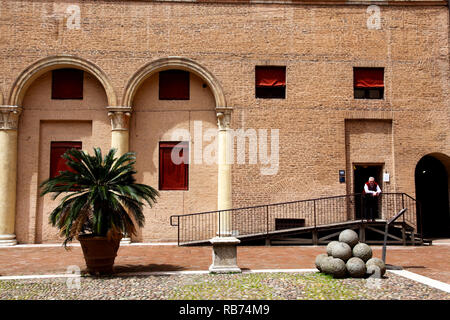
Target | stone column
(224,245)
(120,137)
(224,201)
(120,124)
(9,118)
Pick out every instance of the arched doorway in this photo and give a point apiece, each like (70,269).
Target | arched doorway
(175,101)
(432,191)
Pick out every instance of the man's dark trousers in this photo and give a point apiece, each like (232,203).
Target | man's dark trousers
(371,207)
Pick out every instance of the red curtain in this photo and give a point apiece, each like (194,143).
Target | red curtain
(57,163)
(173,176)
(270,76)
(174,85)
(67,84)
(368,77)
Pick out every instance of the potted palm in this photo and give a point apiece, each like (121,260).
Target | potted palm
(101,201)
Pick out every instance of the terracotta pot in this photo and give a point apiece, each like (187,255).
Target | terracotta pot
(99,253)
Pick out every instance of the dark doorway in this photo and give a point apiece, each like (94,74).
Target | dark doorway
(361,174)
(432,192)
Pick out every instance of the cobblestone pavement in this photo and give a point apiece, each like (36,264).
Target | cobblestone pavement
(246,286)
(431,261)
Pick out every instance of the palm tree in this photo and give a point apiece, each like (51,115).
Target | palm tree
(101,196)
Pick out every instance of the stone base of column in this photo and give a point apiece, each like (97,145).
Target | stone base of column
(224,255)
(7,240)
(126,240)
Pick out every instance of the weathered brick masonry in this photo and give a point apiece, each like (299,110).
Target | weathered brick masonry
(322,128)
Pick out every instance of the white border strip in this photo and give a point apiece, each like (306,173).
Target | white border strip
(280,270)
(422,279)
(137,244)
(40,245)
(152,244)
(54,245)
(40,276)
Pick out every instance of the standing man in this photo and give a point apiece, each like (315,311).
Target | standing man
(371,193)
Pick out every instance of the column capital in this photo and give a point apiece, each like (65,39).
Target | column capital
(120,118)
(223,118)
(9,117)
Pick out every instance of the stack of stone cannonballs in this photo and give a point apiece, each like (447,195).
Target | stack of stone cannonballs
(349,257)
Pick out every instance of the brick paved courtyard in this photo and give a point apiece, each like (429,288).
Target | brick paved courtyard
(431,261)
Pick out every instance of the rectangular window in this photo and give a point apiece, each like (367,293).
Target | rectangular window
(174,85)
(270,82)
(57,149)
(368,83)
(288,223)
(67,84)
(173,165)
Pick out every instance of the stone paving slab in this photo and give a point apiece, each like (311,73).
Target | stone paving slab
(430,261)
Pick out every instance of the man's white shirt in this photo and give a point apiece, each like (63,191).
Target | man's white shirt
(366,189)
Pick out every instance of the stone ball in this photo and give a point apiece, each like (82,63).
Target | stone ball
(342,251)
(330,246)
(319,259)
(356,267)
(325,265)
(349,236)
(375,267)
(362,251)
(338,268)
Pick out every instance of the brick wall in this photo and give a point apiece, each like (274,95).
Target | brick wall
(318,44)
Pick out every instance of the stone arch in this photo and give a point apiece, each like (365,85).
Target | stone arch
(174,63)
(39,67)
(445,159)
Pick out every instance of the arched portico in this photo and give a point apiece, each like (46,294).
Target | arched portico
(9,120)
(224,246)
(222,111)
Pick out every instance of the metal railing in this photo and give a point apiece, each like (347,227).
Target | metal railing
(401,213)
(264,219)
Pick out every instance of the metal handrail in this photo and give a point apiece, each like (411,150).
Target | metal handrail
(263,205)
(171,219)
(283,203)
(400,213)
(317,211)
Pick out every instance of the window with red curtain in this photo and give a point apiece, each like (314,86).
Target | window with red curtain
(368,83)
(174,85)
(57,149)
(270,82)
(173,172)
(67,84)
